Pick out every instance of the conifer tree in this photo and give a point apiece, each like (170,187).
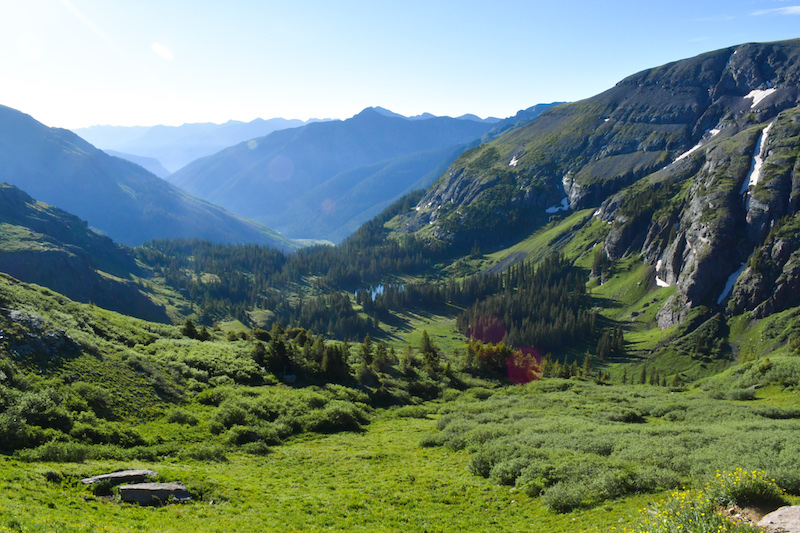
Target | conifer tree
(587,366)
(366,351)
(430,353)
(334,362)
(189,329)
(618,342)
(555,369)
(259,354)
(381,357)
(643,376)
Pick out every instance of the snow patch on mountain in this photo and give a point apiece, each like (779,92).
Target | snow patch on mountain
(709,135)
(758,161)
(563,206)
(758,95)
(729,284)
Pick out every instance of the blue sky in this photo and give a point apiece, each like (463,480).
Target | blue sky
(76,63)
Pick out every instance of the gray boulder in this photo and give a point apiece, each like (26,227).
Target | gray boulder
(154,493)
(123,476)
(784,520)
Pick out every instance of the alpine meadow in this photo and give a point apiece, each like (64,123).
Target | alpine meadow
(582,317)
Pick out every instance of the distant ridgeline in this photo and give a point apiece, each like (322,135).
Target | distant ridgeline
(333,176)
(114,196)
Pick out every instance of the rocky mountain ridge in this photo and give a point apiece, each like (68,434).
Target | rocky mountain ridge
(667,157)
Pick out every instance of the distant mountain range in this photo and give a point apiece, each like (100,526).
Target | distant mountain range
(323,180)
(176,146)
(150,164)
(117,197)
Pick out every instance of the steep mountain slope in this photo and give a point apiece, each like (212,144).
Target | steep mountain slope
(668,157)
(115,196)
(351,197)
(524,116)
(177,146)
(45,245)
(264,179)
(150,164)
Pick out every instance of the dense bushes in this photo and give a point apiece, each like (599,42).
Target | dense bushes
(577,444)
(271,415)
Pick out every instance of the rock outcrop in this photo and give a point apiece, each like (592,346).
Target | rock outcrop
(784,520)
(27,336)
(154,493)
(122,476)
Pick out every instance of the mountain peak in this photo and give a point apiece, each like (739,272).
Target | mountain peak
(380,111)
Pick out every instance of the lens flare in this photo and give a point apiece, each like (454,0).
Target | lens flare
(281,168)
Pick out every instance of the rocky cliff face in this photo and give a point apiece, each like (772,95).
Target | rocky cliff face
(692,163)
(716,220)
(26,336)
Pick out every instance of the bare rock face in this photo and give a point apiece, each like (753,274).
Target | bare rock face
(122,476)
(771,282)
(784,520)
(154,493)
(30,335)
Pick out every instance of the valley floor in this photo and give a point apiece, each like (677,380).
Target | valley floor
(379,480)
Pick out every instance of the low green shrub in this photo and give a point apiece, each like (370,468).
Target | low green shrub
(742,395)
(256,448)
(56,452)
(691,511)
(740,487)
(204,452)
(336,416)
(564,496)
(179,416)
(409,411)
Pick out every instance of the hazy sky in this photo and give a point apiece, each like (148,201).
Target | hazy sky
(75,63)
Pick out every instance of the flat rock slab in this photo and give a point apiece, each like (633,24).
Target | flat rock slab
(784,520)
(149,493)
(123,476)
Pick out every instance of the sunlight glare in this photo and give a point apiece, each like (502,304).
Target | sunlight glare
(163,51)
(31,47)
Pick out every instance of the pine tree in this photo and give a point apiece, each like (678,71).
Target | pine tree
(381,357)
(604,346)
(643,376)
(618,342)
(259,354)
(189,330)
(366,351)
(625,376)
(587,366)
(430,353)
(334,362)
